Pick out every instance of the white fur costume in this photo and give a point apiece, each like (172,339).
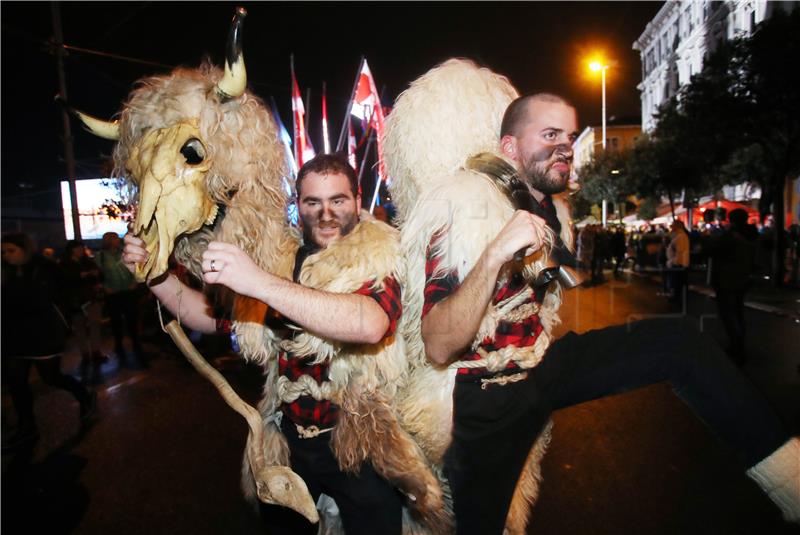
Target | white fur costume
(364,379)
(449,114)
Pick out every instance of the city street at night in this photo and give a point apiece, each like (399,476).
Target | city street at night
(163,455)
(416,247)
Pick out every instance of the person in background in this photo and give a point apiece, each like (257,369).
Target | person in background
(84,305)
(732,257)
(34,332)
(618,249)
(677,260)
(119,287)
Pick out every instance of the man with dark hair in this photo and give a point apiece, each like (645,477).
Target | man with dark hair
(335,328)
(508,380)
(517,112)
(325,164)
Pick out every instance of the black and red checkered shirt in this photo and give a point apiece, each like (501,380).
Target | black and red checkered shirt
(307,411)
(520,334)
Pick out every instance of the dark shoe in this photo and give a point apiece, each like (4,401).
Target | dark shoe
(88,406)
(20,437)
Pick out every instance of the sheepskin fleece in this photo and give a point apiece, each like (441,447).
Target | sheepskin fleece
(365,379)
(450,113)
(245,178)
(446,115)
(472,211)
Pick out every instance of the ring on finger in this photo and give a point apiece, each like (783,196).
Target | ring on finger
(212,266)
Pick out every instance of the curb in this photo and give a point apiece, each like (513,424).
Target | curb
(755,305)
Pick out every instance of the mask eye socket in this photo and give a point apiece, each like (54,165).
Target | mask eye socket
(194,151)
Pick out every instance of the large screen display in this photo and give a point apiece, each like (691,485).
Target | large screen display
(102,207)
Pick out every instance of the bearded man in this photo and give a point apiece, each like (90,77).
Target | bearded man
(338,360)
(509,381)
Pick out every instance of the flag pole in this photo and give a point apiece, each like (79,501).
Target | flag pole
(370,137)
(340,142)
(294,120)
(377,157)
(308,108)
(375,194)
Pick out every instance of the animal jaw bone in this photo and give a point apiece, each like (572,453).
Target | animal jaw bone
(170,166)
(277,485)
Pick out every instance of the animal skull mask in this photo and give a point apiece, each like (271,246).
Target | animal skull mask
(170,166)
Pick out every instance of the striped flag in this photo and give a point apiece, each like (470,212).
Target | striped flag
(303,149)
(366,106)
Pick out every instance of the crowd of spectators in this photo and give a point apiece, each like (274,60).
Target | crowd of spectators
(51,302)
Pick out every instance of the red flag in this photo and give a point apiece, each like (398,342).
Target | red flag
(303,150)
(367,107)
(325,140)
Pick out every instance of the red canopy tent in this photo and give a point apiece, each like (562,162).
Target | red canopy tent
(682,212)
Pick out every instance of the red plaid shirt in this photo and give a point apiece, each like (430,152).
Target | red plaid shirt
(307,411)
(520,334)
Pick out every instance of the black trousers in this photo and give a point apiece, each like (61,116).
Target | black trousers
(17,372)
(122,308)
(494,429)
(730,304)
(368,504)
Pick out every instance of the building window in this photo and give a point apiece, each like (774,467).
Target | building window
(752,21)
(676,34)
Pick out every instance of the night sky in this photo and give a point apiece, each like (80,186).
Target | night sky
(540,46)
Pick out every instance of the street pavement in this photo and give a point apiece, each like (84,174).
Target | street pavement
(164,453)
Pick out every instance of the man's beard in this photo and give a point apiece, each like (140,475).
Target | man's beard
(345,227)
(546,180)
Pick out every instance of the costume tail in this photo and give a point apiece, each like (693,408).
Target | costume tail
(368,430)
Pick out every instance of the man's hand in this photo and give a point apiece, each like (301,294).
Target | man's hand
(228,265)
(133,252)
(523,231)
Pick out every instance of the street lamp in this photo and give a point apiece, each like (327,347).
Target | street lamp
(602,67)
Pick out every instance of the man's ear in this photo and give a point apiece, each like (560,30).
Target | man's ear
(508,146)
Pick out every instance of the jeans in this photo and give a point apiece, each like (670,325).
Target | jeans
(494,429)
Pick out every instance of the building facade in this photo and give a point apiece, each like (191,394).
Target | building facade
(675,44)
(619,137)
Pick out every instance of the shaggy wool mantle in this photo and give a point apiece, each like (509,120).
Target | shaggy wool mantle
(364,379)
(469,211)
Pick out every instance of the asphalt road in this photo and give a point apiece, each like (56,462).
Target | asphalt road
(164,454)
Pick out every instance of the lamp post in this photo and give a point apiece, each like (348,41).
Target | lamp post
(602,67)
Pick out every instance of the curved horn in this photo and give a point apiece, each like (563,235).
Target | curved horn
(234,81)
(98,127)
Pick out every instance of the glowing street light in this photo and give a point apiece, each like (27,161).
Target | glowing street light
(602,66)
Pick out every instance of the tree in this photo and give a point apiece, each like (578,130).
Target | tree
(605,177)
(743,112)
(663,166)
(647,209)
